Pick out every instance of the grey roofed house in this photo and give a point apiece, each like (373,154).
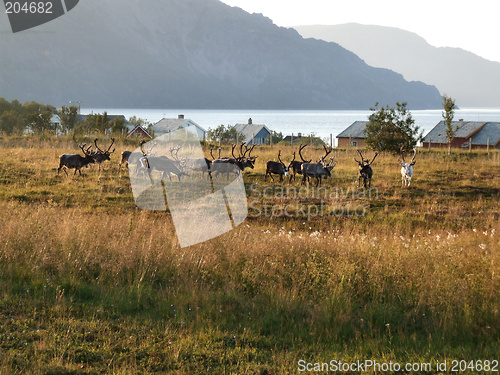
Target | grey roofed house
(167,125)
(477,131)
(356,130)
(491,131)
(353,136)
(251,133)
(465,128)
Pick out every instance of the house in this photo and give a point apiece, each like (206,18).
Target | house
(294,138)
(167,125)
(353,136)
(138,132)
(252,134)
(56,121)
(479,134)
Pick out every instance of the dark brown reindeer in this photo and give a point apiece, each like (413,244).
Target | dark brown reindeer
(75,161)
(319,169)
(276,167)
(365,170)
(295,166)
(101,156)
(235,164)
(124,159)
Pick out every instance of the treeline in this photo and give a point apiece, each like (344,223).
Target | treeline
(36,118)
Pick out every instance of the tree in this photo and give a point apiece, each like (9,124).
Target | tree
(118,125)
(276,137)
(389,129)
(448,114)
(40,122)
(11,122)
(69,117)
(223,134)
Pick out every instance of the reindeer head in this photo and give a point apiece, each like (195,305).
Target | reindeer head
(89,154)
(104,155)
(413,160)
(365,169)
(285,168)
(364,162)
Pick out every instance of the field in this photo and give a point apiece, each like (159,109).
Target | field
(90,284)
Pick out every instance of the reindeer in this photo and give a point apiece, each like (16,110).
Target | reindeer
(407,168)
(101,156)
(197,164)
(274,167)
(69,161)
(162,164)
(319,169)
(295,165)
(124,159)
(365,170)
(235,164)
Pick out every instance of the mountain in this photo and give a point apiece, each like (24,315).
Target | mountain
(469,79)
(189,54)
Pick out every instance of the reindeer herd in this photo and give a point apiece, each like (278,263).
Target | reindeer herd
(180,167)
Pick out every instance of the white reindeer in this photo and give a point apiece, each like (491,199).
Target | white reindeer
(407,168)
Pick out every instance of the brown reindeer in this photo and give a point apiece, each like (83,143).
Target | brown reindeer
(319,169)
(100,155)
(365,170)
(295,166)
(70,161)
(276,167)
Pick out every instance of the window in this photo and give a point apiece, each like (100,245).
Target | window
(354,143)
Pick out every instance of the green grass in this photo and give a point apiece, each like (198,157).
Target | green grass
(90,284)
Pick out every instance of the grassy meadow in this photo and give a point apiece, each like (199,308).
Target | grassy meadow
(90,284)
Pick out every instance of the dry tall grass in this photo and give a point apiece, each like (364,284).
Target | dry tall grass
(414,277)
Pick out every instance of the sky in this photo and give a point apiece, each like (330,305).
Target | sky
(471,25)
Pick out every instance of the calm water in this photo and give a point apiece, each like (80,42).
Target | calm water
(320,123)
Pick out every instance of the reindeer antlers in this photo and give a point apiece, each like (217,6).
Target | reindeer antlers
(301,147)
(101,151)
(413,160)
(327,152)
(363,160)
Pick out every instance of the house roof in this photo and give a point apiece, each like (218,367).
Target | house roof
(140,129)
(288,138)
(356,130)
(167,125)
(491,131)
(466,129)
(247,131)
(81,118)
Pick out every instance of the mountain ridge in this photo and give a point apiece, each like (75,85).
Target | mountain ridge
(470,79)
(191,54)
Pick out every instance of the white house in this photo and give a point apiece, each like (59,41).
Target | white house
(168,125)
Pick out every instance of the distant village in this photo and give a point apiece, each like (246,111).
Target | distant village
(469,134)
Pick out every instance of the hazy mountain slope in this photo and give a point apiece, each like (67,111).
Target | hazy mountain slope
(466,77)
(189,54)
